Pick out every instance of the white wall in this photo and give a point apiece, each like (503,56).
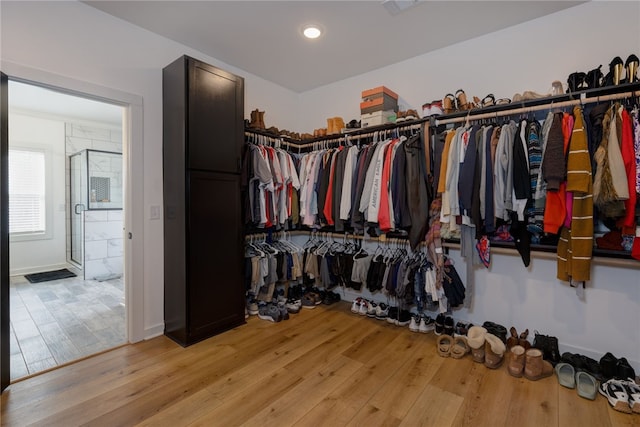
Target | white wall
(79,42)
(49,253)
(528,56)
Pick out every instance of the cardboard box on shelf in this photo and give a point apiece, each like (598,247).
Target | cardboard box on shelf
(377,118)
(378,92)
(384,103)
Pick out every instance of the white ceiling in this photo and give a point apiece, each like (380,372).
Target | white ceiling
(29,98)
(264,37)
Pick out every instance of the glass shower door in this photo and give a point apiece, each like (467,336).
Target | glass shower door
(78,195)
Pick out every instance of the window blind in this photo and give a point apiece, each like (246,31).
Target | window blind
(26,191)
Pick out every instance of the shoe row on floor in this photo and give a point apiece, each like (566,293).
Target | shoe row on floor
(297,297)
(612,377)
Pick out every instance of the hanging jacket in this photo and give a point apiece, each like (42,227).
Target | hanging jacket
(576,243)
(628,222)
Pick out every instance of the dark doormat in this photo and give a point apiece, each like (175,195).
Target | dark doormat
(49,275)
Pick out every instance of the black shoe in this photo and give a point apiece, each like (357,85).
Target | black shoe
(624,370)
(440,324)
(448,326)
(595,78)
(497,330)
(608,366)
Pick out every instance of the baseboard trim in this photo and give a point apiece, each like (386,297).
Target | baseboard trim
(38,269)
(154,331)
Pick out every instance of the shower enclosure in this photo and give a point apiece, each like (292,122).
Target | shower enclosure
(96,213)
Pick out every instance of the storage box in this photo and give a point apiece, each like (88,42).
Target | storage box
(377,118)
(378,92)
(382,103)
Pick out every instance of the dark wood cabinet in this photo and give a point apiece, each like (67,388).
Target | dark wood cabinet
(203,132)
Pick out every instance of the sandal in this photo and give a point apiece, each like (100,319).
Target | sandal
(449,104)
(566,375)
(461,98)
(444,345)
(488,101)
(460,347)
(586,385)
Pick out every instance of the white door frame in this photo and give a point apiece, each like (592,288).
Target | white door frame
(132,151)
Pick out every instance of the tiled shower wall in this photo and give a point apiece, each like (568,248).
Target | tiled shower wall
(103,229)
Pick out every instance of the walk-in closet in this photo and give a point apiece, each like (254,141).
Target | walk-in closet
(407,213)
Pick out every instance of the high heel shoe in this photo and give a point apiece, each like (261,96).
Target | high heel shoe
(632,66)
(594,78)
(614,76)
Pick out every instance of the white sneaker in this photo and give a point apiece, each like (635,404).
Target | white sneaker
(355,307)
(372,309)
(427,324)
(364,307)
(414,325)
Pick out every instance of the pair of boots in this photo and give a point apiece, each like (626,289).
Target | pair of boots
(334,125)
(528,363)
(485,347)
(257,120)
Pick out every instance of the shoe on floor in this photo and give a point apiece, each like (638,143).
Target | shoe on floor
(566,375)
(308,301)
(269,312)
(382,311)
(633,391)
(616,394)
(439,324)
(414,324)
(426,324)
(355,307)
(404,318)
(586,385)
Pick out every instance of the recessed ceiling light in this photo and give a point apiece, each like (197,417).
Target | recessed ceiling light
(312,32)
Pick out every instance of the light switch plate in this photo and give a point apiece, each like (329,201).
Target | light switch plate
(154,212)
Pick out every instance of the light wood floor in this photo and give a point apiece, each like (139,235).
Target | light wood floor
(325,366)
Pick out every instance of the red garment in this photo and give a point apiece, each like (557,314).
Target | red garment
(628,223)
(384,220)
(555,209)
(328,201)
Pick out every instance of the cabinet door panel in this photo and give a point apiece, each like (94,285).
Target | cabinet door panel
(216,112)
(214,282)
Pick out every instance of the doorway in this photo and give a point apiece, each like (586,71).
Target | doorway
(56,321)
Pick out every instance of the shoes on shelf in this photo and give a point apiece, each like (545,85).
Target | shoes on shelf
(631,65)
(461,100)
(449,104)
(411,115)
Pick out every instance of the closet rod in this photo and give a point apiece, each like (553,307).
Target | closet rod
(358,135)
(537,108)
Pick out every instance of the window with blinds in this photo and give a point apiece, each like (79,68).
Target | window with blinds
(27,211)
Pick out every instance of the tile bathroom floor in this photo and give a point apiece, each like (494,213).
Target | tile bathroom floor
(59,321)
